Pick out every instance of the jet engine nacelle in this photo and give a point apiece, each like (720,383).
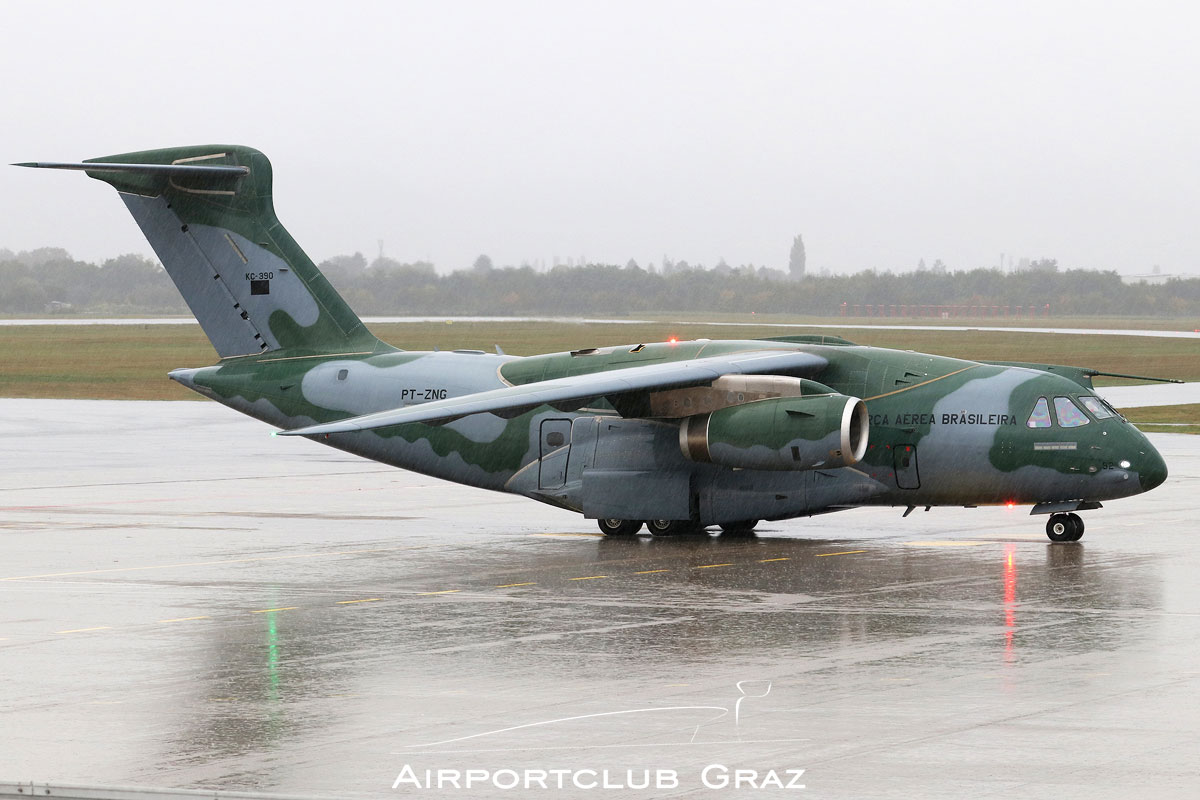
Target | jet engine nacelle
(818,431)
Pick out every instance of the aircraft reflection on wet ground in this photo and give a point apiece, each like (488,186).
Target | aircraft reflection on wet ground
(316,628)
(444,677)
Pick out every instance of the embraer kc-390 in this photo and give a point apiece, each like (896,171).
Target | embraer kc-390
(674,435)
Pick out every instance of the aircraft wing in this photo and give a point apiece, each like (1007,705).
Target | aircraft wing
(512,401)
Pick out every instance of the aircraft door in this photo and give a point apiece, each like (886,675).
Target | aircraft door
(905,456)
(555,447)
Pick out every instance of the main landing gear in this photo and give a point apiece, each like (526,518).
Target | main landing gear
(670,527)
(1064,528)
(619,527)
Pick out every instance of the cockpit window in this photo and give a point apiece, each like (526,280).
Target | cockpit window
(1040,418)
(1097,406)
(1069,415)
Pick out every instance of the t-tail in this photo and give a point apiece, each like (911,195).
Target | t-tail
(207,211)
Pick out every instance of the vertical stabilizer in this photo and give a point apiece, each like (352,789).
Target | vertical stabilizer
(207,211)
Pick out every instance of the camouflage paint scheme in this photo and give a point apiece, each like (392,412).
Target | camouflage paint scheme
(942,431)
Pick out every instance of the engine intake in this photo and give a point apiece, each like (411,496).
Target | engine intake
(819,431)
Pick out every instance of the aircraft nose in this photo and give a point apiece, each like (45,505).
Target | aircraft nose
(1152,470)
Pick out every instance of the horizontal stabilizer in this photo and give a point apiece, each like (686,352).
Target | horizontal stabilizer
(175,170)
(513,400)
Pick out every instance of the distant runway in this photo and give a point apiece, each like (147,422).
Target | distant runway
(187,601)
(1154,394)
(833,323)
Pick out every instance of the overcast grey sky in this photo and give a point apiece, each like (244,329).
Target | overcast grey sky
(883,132)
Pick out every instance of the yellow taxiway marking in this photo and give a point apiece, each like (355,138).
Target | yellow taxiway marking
(842,553)
(712,566)
(588,578)
(208,563)
(568,535)
(85,630)
(444,591)
(944,544)
(511,585)
(1020,537)
(183,619)
(651,571)
(364,600)
(769,560)
(269,610)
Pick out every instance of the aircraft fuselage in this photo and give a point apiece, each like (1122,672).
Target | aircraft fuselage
(942,431)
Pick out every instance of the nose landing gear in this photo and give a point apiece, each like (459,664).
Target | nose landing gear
(1064,527)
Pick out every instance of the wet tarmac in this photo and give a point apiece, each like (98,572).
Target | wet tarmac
(187,601)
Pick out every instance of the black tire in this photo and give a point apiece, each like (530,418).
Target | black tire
(671,527)
(619,527)
(741,528)
(1062,528)
(1077,521)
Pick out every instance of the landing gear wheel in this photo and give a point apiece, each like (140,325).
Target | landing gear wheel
(619,527)
(1078,521)
(671,527)
(1064,528)
(742,528)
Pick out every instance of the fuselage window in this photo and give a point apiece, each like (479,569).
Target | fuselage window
(1096,406)
(1069,415)
(1040,418)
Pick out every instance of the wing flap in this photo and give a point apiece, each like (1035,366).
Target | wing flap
(512,401)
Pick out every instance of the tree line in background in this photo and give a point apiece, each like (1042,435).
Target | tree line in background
(49,280)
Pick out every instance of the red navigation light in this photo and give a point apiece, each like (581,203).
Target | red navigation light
(673,340)
(1010,505)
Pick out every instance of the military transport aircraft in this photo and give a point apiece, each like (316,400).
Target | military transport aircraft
(674,435)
